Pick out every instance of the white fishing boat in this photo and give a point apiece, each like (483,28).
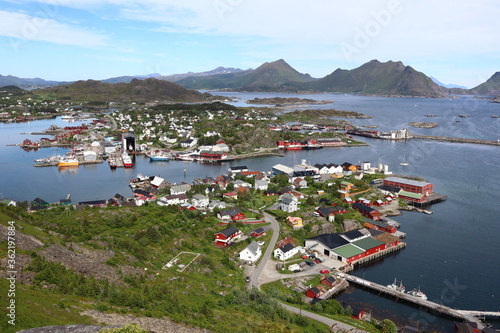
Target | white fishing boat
(127,160)
(158,155)
(417,293)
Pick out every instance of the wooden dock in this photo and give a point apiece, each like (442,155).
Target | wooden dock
(470,316)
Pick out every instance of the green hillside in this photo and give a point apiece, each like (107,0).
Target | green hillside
(374,77)
(148,90)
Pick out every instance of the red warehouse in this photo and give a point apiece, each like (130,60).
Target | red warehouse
(410,185)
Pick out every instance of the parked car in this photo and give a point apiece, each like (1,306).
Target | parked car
(310,263)
(324,271)
(247,279)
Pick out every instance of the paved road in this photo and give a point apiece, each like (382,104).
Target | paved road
(256,274)
(335,326)
(267,266)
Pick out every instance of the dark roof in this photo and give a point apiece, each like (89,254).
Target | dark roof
(331,240)
(240,167)
(330,279)
(287,247)
(378,223)
(230,212)
(325,211)
(388,188)
(259,230)
(286,189)
(229,231)
(303,173)
(362,207)
(141,192)
(375,232)
(319,166)
(315,290)
(40,202)
(353,234)
(346,165)
(93,202)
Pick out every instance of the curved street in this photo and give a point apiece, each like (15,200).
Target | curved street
(266,270)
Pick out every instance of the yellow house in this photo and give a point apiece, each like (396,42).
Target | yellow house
(294,222)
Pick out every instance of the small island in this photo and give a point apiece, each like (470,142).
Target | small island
(317,114)
(420,124)
(289,101)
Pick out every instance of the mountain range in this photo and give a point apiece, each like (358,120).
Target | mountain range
(372,78)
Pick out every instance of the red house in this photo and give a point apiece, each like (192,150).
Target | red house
(258,232)
(315,292)
(230,195)
(328,281)
(233,214)
(226,236)
(377,225)
(366,211)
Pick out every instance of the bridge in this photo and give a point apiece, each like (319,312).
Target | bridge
(470,316)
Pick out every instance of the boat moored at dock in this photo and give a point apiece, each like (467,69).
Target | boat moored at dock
(68,162)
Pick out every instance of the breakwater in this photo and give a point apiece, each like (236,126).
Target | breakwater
(458,140)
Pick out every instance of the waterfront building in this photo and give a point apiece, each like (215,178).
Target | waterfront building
(410,185)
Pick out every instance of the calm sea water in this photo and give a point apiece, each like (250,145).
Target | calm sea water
(453,255)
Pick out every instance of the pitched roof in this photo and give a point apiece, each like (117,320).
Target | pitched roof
(258,230)
(331,241)
(353,234)
(348,251)
(388,188)
(230,212)
(287,247)
(407,181)
(229,231)
(253,247)
(362,207)
(367,243)
(411,194)
(287,200)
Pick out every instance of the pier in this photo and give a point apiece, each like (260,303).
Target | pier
(466,315)
(459,140)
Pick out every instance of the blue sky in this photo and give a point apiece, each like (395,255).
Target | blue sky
(455,41)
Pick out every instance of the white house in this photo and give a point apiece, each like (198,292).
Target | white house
(179,189)
(261,184)
(289,204)
(216,204)
(158,182)
(240,183)
(285,252)
(172,200)
(189,143)
(251,253)
(200,201)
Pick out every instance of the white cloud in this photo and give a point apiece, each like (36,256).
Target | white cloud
(406,30)
(35,28)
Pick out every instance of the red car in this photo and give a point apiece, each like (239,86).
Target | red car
(324,271)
